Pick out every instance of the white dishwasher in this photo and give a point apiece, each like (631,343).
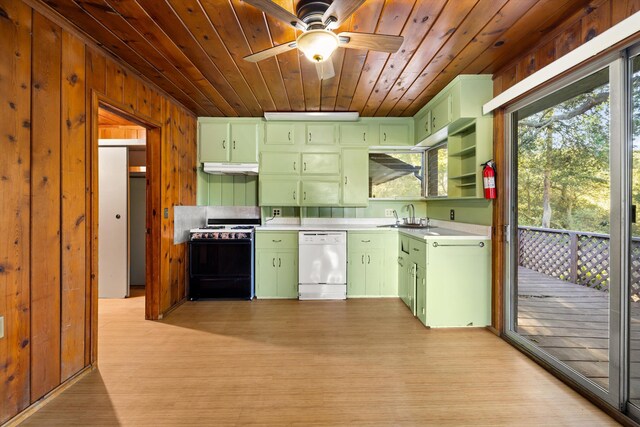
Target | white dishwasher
(322,266)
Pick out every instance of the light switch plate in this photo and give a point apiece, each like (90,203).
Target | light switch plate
(1,327)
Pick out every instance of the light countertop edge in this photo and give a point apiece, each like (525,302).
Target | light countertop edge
(444,233)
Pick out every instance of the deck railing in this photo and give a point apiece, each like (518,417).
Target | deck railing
(575,256)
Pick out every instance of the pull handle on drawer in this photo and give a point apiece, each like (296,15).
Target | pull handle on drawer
(365,241)
(276,241)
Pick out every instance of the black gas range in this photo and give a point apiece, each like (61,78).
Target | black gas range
(221,259)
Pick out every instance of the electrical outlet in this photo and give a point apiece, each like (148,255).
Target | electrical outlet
(452,214)
(388,212)
(1,326)
(276,212)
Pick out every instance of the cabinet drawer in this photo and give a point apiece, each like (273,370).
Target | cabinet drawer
(418,252)
(276,240)
(362,241)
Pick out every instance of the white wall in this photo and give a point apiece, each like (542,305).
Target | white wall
(137,206)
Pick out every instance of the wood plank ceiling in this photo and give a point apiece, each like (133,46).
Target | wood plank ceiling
(193,49)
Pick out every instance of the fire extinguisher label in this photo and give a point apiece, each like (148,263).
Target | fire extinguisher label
(489,182)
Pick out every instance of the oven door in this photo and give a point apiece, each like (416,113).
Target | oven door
(220,268)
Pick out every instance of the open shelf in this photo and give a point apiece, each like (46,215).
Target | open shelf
(465,175)
(471,184)
(464,152)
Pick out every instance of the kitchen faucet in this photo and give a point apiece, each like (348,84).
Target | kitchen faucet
(412,213)
(396,215)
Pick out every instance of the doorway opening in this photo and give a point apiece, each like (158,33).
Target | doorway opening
(122,147)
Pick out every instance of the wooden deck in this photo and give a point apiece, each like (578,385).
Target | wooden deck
(571,322)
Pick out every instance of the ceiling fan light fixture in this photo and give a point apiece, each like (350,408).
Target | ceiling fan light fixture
(318,45)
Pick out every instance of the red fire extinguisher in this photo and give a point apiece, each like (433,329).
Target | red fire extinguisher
(489,179)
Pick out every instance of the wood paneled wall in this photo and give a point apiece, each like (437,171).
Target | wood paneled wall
(48,264)
(589,22)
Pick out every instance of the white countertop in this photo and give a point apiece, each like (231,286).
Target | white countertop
(431,233)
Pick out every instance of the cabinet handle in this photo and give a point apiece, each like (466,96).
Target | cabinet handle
(363,259)
(368,259)
(234,144)
(305,196)
(364,136)
(274,262)
(416,249)
(365,241)
(480,244)
(345,180)
(294,166)
(294,194)
(426,125)
(304,166)
(289,135)
(385,136)
(279,262)
(224,146)
(433,121)
(309,136)
(276,241)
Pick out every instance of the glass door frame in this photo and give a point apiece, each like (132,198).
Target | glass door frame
(619,191)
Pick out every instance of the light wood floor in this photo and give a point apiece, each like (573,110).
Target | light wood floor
(307,363)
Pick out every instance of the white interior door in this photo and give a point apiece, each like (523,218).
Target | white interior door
(113,222)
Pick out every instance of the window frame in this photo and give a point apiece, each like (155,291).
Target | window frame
(437,146)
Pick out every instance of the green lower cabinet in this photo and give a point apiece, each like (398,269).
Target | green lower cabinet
(375,272)
(458,283)
(356,274)
(421,295)
(277,274)
(278,192)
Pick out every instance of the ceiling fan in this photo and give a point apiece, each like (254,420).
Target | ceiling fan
(316,19)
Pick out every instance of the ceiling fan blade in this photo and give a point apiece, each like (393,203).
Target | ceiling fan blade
(341,10)
(378,42)
(272,51)
(325,69)
(272,9)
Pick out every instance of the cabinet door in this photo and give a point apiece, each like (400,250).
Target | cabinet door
(279,163)
(320,164)
(356,274)
(441,114)
(266,274)
(244,142)
(279,192)
(355,176)
(411,287)
(354,134)
(324,134)
(423,126)
(214,142)
(320,193)
(287,274)
(279,134)
(421,295)
(374,260)
(402,278)
(397,134)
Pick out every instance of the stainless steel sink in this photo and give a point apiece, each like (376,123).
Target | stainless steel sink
(411,226)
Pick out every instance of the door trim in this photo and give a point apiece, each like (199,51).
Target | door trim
(153,207)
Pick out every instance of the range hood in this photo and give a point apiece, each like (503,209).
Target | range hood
(230,168)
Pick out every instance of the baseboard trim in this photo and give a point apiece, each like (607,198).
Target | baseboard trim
(44,400)
(172,308)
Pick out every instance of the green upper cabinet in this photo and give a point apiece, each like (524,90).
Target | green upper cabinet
(214,141)
(278,192)
(355,134)
(423,125)
(441,113)
(355,177)
(280,163)
(321,133)
(320,193)
(320,163)
(244,142)
(458,103)
(280,133)
(395,134)
(234,141)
